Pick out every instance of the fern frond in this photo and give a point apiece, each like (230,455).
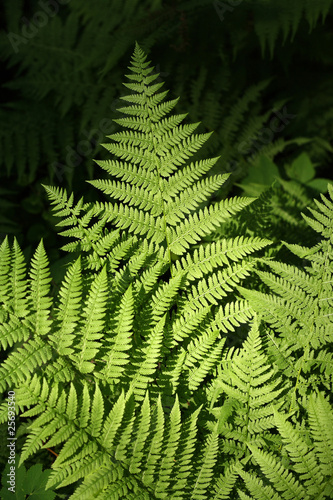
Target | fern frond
(303,458)
(120,342)
(92,324)
(144,364)
(214,288)
(155,444)
(283,480)
(225,483)
(205,473)
(309,452)
(250,381)
(215,254)
(14,307)
(23,362)
(233,315)
(202,223)
(300,307)
(257,488)
(70,295)
(157,191)
(320,419)
(172,438)
(141,437)
(286,19)
(17,291)
(202,355)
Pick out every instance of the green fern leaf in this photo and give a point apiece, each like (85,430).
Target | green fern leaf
(40,279)
(121,342)
(283,480)
(67,313)
(92,324)
(205,473)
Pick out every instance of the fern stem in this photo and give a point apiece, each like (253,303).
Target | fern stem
(159,181)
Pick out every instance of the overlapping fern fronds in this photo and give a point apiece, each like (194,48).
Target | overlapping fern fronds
(308,452)
(130,370)
(299,306)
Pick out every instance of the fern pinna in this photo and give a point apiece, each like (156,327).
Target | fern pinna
(129,372)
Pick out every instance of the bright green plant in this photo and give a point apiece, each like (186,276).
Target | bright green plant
(147,373)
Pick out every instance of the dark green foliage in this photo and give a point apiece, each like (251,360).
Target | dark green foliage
(31,482)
